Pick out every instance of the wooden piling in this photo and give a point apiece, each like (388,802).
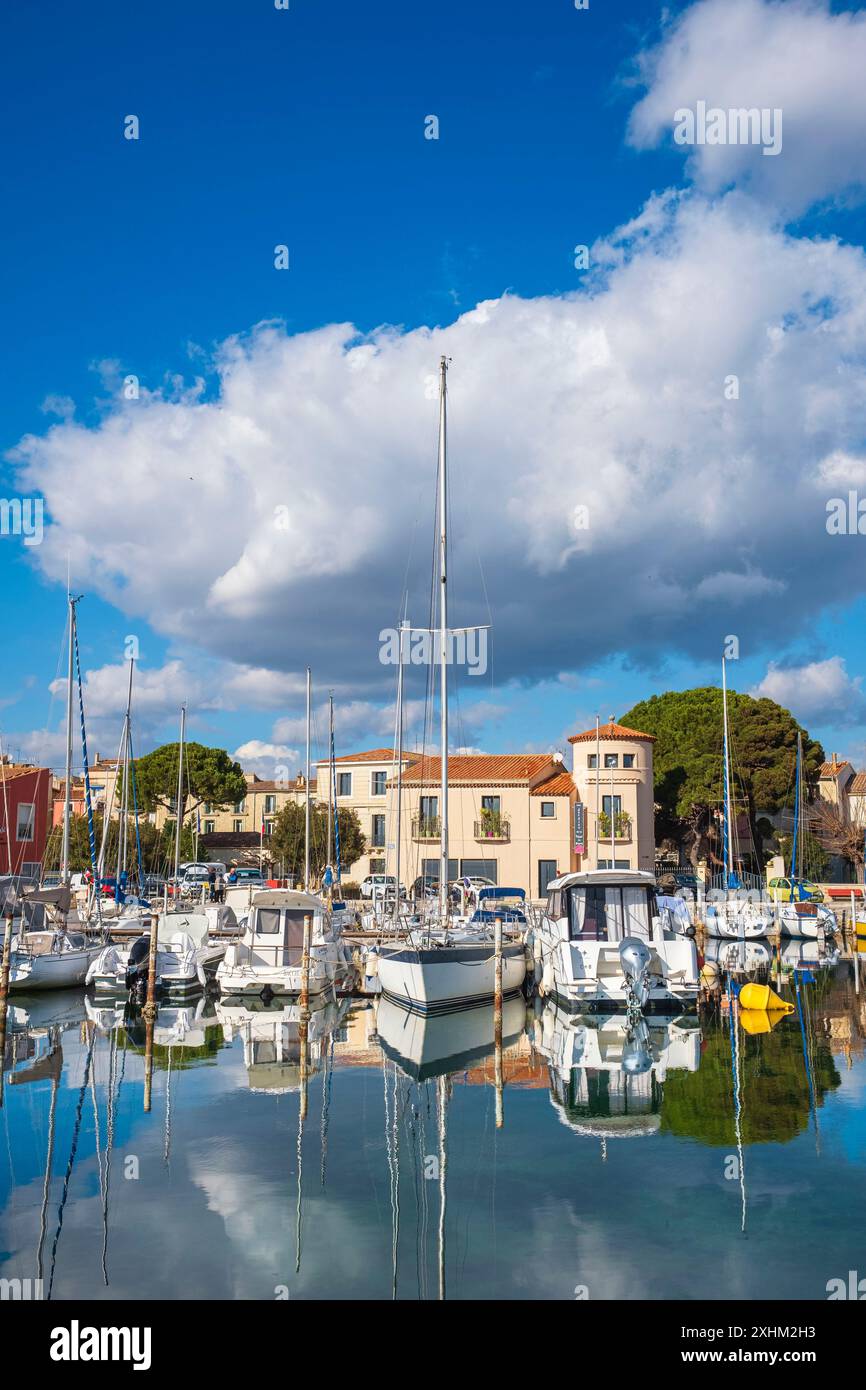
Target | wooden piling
(497,1017)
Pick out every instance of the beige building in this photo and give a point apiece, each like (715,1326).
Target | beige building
(615,768)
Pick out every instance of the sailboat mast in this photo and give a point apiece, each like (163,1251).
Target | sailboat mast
(123,824)
(178,817)
(729,851)
(443,641)
(67,796)
(330,773)
(399,745)
(797,778)
(307,791)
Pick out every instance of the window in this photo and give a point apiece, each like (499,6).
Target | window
(617,805)
(628,759)
(270,805)
(209,827)
(546,872)
(611,759)
(377,866)
(609,914)
(237,826)
(378,835)
(377,783)
(26,821)
(492,804)
(430,868)
(240,808)
(480,868)
(591,760)
(269,827)
(548,810)
(617,864)
(429,807)
(207,808)
(344,784)
(267,921)
(555,904)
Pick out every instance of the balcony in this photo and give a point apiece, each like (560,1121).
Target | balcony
(426,828)
(493,827)
(623,827)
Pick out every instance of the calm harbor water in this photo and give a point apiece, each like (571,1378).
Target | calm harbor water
(689,1160)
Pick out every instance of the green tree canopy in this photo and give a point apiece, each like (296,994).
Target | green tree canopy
(687,756)
(209,774)
(287,839)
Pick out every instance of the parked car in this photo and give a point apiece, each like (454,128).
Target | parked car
(382,884)
(245,876)
(425,886)
(804,890)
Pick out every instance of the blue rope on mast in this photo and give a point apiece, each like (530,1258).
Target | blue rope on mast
(135,817)
(88,801)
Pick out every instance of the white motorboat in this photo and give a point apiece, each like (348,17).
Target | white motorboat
(607,1072)
(185,958)
(812,920)
(55,958)
(269,956)
(603,942)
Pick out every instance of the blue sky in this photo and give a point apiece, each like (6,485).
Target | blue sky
(306,127)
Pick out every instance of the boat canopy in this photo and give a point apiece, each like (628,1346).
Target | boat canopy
(489,894)
(288,897)
(603,878)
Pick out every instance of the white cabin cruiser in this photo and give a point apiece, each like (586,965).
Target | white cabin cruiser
(607,1073)
(603,942)
(185,958)
(269,955)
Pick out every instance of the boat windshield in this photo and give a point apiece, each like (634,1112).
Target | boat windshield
(608,913)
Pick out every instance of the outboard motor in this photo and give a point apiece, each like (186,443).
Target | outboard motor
(136,968)
(634,956)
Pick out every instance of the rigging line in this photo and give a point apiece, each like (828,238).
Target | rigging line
(76,1129)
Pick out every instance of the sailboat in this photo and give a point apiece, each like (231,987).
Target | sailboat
(269,957)
(801,917)
(735,915)
(446,966)
(56,957)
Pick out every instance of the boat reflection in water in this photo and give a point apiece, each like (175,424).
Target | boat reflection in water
(607,1073)
(737,957)
(808,954)
(428,1045)
(278,1058)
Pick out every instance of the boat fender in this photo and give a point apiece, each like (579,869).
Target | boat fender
(754,996)
(371,965)
(547,977)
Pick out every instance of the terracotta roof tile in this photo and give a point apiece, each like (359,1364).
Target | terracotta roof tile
(560,784)
(611,730)
(858,786)
(479,767)
(833,769)
(372,755)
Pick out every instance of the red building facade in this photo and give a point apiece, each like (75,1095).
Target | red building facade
(25,812)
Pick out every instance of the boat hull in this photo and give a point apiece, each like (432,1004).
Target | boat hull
(448,977)
(65,970)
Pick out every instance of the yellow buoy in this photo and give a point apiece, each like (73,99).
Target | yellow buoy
(760,1020)
(762,997)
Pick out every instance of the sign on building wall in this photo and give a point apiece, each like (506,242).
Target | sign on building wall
(579,846)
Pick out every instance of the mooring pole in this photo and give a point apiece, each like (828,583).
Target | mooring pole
(4,997)
(305,1008)
(497,1016)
